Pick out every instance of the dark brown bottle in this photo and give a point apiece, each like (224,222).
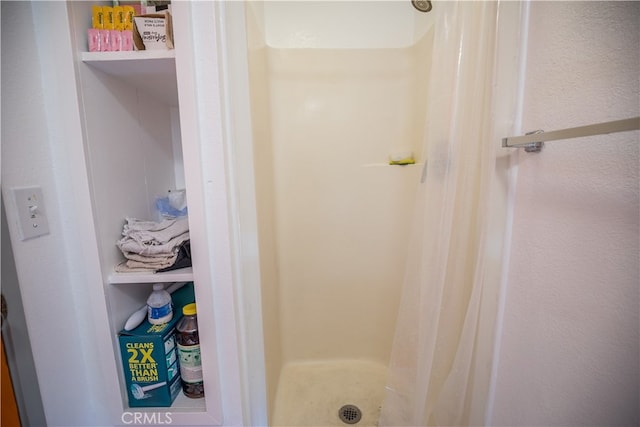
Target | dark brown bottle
(189,353)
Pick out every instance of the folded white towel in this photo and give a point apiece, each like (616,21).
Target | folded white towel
(154,233)
(150,246)
(152,259)
(134,224)
(129,266)
(135,262)
(171,247)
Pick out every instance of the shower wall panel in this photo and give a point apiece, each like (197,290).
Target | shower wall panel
(263,169)
(341,213)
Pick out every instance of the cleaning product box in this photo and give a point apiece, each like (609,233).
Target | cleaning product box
(150,357)
(153,31)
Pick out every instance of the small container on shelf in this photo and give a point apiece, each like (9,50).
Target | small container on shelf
(189,353)
(159,305)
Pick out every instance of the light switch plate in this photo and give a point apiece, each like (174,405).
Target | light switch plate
(32,216)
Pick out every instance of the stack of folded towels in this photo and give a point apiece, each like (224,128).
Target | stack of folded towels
(152,246)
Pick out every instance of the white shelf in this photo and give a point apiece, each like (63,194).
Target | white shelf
(186,404)
(180,275)
(133,55)
(153,71)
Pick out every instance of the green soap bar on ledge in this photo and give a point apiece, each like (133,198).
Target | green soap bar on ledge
(407,161)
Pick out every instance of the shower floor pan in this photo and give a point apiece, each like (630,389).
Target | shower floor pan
(312,393)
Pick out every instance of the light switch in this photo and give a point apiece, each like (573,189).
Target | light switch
(32,217)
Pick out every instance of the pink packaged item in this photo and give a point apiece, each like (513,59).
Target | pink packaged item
(115,38)
(127,40)
(105,41)
(93,36)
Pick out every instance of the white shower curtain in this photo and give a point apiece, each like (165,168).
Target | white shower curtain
(441,360)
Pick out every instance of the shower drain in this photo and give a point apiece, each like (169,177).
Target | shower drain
(350,414)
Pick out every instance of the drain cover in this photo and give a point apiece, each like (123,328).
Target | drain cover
(350,414)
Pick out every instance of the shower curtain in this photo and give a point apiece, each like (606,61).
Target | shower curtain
(440,367)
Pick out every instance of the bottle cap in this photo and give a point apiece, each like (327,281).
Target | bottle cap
(158,286)
(189,309)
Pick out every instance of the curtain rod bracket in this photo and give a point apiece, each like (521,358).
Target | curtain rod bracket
(536,146)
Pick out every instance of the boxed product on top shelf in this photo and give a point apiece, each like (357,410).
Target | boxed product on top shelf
(111,28)
(153,31)
(126,26)
(145,6)
(150,357)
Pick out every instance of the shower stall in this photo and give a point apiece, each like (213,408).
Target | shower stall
(336,89)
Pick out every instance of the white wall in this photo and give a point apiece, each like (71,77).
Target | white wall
(569,352)
(39,116)
(15,337)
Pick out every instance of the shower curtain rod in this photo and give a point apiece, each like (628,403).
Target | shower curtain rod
(533,142)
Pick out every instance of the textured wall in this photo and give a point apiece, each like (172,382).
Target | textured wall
(569,352)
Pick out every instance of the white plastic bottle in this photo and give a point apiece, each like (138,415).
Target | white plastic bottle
(160,308)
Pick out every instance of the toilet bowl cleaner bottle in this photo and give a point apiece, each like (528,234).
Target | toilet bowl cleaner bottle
(189,353)
(159,306)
